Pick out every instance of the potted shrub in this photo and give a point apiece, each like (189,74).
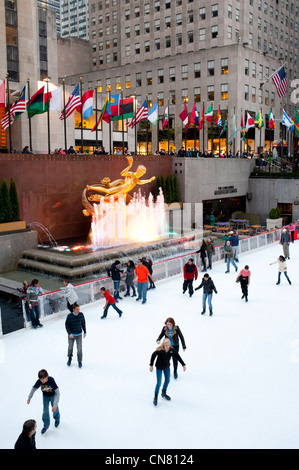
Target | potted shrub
(274,220)
(9,208)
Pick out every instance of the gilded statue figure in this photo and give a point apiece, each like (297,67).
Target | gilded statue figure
(118,188)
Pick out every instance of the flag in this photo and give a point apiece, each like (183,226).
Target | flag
(218,120)
(153,114)
(74,102)
(286,120)
(127,108)
(242,129)
(2,94)
(234,127)
(224,127)
(249,123)
(20,105)
(54,100)
(87,104)
(114,106)
(296,121)
(280,82)
(209,114)
(184,115)
(104,115)
(5,120)
(259,122)
(194,119)
(272,124)
(165,118)
(141,115)
(202,119)
(37,103)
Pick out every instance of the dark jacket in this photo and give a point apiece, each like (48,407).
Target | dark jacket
(163,358)
(75,324)
(25,442)
(203,250)
(208,286)
(176,335)
(130,274)
(190,271)
(114,272)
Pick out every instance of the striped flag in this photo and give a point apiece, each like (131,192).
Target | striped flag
(74,102)
(165,118)
(287,121)
(16,109)
(280,82)
(185,117)
(141,115)
(5,120)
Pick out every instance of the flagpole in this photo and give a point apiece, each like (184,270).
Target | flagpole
(147,122)
(135,110)
(81,90)
(203,129)
(48,115)
(168,124)
(158,126)
(96,93)
(64,118)
(219,135)
(8,102)
(122,121)
(241,136)
(227,131)
(234,131)
(110,126)
(29,114)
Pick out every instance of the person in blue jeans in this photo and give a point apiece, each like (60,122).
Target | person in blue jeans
(163,355)
(282,268)
(114,272)
(230,257)
(208,289)
(51,396)
(33,291)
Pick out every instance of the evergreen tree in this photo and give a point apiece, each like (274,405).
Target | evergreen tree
(5,206)
(14,201)
(162,184)
(158,185)
(175,187)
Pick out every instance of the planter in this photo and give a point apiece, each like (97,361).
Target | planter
(13,226)
(273,223)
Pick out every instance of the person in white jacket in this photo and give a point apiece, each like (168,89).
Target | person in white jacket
(70,295)
(282,268)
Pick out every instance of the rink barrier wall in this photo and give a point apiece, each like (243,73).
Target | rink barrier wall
(52,304)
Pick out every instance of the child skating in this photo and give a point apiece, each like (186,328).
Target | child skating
(110,302)
(282,268)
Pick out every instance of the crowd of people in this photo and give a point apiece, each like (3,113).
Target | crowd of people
(171,334)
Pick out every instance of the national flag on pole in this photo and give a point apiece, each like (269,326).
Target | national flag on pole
(104,115)
(218,120)
(54,100)
(249,123)
(5,120)
(141,115)
(184,115)
(224,127)
(259,122)
(234,127)
(153,114)
(286,120)
(165,118)
(280,82)
(20,105)
(209,114)
(87,104)
(114,104)
(74,102)
(127,108)
(272,124)
(242,129)
(194,119)
(296,121)
(3,94)
(202,119)
(37,103)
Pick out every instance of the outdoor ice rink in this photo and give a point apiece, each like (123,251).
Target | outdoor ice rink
(240,389)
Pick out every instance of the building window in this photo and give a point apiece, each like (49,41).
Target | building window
(184,72)
(224,66)
(172,74)
(211,68)
(224,91)
(197,70)
(197,95)
(210,93)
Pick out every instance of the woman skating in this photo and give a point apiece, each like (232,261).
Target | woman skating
(163,354)
(174,334)
(282,268)
(244,279)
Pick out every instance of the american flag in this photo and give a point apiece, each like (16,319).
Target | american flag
(141,115)
(280,82)
(73,103)
(17,108)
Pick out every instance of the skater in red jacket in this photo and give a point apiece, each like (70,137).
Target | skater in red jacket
(190,273)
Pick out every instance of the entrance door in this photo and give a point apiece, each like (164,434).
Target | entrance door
(286,211)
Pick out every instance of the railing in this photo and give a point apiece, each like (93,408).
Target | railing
(52,304)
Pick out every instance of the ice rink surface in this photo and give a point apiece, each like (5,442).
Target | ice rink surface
(240,389)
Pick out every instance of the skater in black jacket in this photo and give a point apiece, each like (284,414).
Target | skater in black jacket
(208,289)
(163,354)
(26,440)
(174,334)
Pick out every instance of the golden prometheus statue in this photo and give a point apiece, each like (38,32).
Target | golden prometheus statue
(118,188)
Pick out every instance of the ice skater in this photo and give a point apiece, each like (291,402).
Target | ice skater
(26,440)
(208,289)
(51,396)
(75,325)
(70,294)
(203,254)
(174,334)
(190,273)
(163,354)
(33,291)
(230,257)
(244,279)
(114,272)
(210,252)
(282,268)
(130,273)
(110,302)
(285,240)
(142,275)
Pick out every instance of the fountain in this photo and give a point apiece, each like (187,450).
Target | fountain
(122,225)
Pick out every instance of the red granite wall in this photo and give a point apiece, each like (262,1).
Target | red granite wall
(50,187)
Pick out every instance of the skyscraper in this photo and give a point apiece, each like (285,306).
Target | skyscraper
(52,5)
(75,18)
